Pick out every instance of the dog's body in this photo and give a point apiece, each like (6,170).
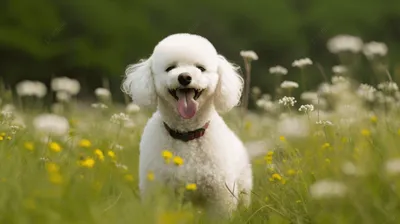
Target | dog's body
(189,82)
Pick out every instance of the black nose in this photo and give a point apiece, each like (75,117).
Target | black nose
(184,79)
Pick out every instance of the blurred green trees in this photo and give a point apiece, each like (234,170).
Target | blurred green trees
(93,39)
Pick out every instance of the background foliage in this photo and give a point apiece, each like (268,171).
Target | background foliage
(93,39)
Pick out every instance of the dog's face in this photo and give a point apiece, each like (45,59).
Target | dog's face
(185,71)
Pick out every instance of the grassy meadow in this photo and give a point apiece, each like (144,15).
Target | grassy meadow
(336,159)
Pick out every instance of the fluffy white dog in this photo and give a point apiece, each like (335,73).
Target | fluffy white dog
(190,83)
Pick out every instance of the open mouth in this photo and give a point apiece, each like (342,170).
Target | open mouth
(197,92)
(186,103)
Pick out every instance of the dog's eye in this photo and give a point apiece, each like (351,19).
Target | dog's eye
(170,68)
(201,68)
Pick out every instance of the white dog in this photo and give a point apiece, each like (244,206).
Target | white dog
(190,83)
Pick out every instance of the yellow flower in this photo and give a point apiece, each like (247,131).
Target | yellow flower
(99,154)
(178,161)
(3,134)
(365,132)
(326,145)
(88,162)
(128,177)
(282,138)
(52,168)
(55,147)
(9,138)
(270,153)
(150,176)
(373,119)
(1,138)
(167,155)
(55,178)
(276,176)
(191,187)
(85,143)
(29,146)
(291,172)
(111,154)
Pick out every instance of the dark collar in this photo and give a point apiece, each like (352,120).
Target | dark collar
(187,136)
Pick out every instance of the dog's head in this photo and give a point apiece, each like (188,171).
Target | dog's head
(185,71)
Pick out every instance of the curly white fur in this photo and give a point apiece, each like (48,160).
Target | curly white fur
(218,162)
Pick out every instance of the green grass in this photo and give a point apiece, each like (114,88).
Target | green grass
(40,185)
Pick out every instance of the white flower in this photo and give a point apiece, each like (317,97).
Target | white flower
(366,92)
(324,123)
(339,69)
(249,55)
(373,49)
(65,84)
(63,96)
(129,124)
(8,107)
(31,88)
(343,43)
(121,166)
(117,147)
(293,127)
(309,96)
(327,189)
(286,101)
(279,70)
(302,62)
(306,108)
(6,115)
(132,108)
(256,90)
(102,93)
(289,85)
(339,79)
(99,106)
(388,86)
(392,166)
(51,124)
(119,118)
(350,169)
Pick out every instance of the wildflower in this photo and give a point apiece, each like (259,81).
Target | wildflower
(327,189)
(52,167)
(29,146)
(286,101)
(132,108)
(128,177)
(31,88)
(167,155)
(366,92)
(278,70)
(102,93)
(99,106)
(3,134)
(55,147)
(85,143)
(88,162)
(293,127)
(191,187)
(249,55)
(339,69)
(178,161)
(282,138)
(291,172)
(150,176)
(373,119)
(373,49)
(306,108)
(388,86)
(66,85)
(326,145)
(302,62)
(121,166)
(9,138)
(111,154)
(309,96)
(342,43)
(276,176)
(119,118)
(393,166)
(289,85)
(99,154)
(1,138)
(324,123)
(365,132)
(51,124)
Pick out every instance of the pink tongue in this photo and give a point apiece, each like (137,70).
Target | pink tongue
(187,106)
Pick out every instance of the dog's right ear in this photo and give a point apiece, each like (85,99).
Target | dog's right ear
(139,85)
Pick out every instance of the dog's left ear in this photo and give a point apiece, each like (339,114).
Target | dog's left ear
(139,84)
(230,86)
